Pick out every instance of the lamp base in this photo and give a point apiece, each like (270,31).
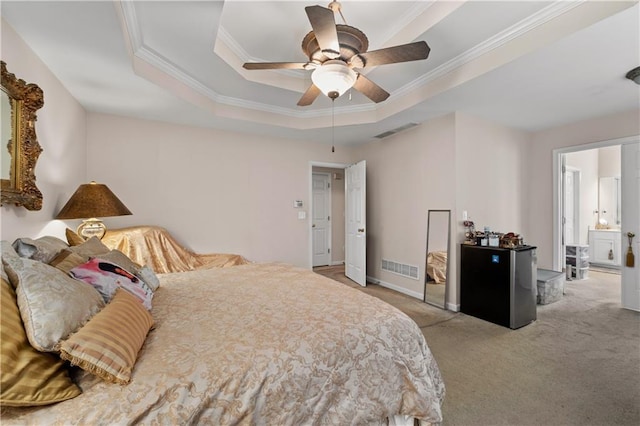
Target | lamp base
(91,228)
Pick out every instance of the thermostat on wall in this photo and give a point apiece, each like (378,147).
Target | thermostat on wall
(297,204)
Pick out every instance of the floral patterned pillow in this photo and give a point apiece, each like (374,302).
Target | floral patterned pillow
(107,277)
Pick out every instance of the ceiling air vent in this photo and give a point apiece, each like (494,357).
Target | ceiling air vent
(405,270)
(396,130)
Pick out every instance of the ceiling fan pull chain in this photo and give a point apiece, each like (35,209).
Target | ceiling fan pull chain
(333,126)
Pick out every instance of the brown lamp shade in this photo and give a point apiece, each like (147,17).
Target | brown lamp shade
(93,200)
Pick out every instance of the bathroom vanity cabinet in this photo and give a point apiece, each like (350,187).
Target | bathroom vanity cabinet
(605,247)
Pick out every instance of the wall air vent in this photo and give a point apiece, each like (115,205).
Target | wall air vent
(396,130)
(405,270)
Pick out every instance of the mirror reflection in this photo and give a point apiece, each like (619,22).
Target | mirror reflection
(437,263)
(609,202)
(6,128)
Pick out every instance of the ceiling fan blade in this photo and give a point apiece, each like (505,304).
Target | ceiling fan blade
(323,23)
(309,96)
(274,65)
(391,55)
(370,89)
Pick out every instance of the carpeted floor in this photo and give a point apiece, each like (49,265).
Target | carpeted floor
(578,364)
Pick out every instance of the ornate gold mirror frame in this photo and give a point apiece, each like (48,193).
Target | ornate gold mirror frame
(23,147)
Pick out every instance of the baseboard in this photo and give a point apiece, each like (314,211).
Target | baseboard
(453,307)
(450,306)
(337,263)
(395,287)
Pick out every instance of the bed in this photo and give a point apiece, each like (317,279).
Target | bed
(259,343)
(437,266)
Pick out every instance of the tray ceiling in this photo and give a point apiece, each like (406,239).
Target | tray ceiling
(525,64)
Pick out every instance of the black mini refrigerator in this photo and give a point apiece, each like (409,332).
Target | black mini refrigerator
(498,284)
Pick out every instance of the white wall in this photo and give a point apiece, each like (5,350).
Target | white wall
(540,177)
(61,132)
(215,191)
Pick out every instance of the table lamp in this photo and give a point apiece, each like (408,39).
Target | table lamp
(90,201)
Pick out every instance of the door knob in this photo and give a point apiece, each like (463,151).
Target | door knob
(313,226)
(360,229)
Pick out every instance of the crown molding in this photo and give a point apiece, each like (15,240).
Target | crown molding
(409,16)
(537,19)
(168,67)
(243,56)
(164,65)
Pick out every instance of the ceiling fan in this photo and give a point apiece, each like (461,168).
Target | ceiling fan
(335,50)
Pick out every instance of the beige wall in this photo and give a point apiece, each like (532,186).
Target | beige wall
(407,174)
(491,164)
(540,177)
(61,131)
(455,162)
(609,161)
(214,190)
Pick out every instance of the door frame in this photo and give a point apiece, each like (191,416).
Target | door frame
(557,195)
(313,164)
(557,253)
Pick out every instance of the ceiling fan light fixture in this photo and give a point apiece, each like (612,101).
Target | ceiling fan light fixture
(334,76)
(634,75)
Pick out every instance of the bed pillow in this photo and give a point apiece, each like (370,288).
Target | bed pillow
(90,248)
(72,238)
(108,345)
(7,254)
(107,277)
(28,377)
(145,273)
(42,249)
(52,304)
(66,260)
(119,258)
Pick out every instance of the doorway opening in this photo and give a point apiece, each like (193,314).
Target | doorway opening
(327,216)
(333,208)
(353,251)
(588,220)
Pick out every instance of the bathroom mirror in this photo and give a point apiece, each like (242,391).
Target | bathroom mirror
(609,202)
(437,263)
(19,144)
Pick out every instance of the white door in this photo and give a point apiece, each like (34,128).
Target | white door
(321,219)
(356,223)
(631,223)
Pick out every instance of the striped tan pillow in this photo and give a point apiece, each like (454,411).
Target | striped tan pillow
(108,344)
(28,377)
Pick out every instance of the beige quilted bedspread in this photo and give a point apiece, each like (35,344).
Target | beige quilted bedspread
(266,344)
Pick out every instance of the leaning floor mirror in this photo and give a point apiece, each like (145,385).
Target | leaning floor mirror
(437,263)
